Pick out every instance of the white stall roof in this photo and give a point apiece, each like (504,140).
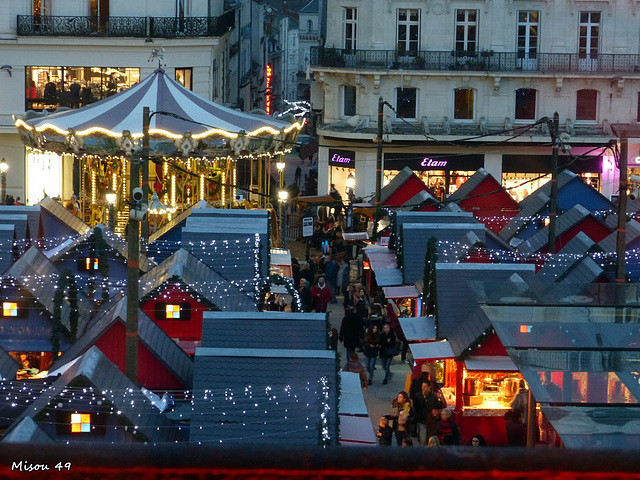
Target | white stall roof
(431,350)
(355,236)
(418,328)
(404,291)
(492,363)
(357,432)
(388,277)
(351,398)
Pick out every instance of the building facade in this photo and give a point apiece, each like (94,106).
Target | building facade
(72,53)
(467,84)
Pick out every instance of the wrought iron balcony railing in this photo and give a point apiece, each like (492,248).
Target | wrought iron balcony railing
(142,27)
(483,61)
(29,25)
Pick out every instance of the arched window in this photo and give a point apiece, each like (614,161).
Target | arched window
(525,104)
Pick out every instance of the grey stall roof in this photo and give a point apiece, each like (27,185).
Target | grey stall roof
(415,237)
(460,318)
(469,186)
(64,215)
(40,277)
(27,431)
(565,221)
(264,330)
(441,216)
(199,278)
(395,183)
(20,221)
(586,270)
(632,232)
(164,348)
(32,213)
(7,236)
(264,397)
(569,255)
(112,240)
(134,407)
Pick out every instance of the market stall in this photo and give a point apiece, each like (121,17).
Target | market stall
(406,297)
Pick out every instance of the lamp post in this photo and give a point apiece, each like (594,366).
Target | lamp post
(283,195)
(4,166)
(111,200)
(351,188)
(280,166)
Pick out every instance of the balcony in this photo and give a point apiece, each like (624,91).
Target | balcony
(137,27)
(480,61)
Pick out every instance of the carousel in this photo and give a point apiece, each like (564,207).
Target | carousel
(197,150)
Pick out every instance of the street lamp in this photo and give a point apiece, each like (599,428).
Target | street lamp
(4,166)
(280,166)
(283,195)
(111,200)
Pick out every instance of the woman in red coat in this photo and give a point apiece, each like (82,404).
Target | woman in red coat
(321,295)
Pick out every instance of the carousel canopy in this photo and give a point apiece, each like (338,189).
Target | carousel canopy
(182,123)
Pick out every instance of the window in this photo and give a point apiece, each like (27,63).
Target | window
(9,309)
(525,104)
(586,105)
(589,34)
(53,87)
(350,22)
(183,77)
(408,29)
(349,101)
(463,103)
(173,311)
(80,423)
(41,7)
(89,263)
(214,80)
(406,103)
(466,30)
(527,34)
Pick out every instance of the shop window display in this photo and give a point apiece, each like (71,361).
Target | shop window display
(54,87)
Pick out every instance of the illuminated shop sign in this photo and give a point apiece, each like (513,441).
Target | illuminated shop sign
(342,158)
(433,161)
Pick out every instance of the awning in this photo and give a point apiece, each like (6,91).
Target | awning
(418,328)
(355,235)
(381,259)
(405,291)
(389,277)
(431,350)
(357,432)
(351,398)
(497,363)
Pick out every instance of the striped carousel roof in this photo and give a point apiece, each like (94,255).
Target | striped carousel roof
(160,93)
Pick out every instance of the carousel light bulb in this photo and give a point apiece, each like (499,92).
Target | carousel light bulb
(280,165)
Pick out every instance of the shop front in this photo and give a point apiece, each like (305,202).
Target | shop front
(523,174)
(342,164)
(442,173)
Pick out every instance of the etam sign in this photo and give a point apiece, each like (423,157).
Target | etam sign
(342,158)
(431,163)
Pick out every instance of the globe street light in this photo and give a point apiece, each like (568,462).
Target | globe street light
(283,195)
(4,166)
(111,200)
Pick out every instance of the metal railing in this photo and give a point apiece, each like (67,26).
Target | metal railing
(481,61)
(140,27)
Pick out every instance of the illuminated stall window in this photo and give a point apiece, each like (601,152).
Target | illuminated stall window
(173,311)
(9,309)
(80,423)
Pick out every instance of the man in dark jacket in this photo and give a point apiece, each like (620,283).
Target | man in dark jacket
(424,402)
(350,331)
(305,296)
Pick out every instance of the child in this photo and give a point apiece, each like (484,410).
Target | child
(385,432)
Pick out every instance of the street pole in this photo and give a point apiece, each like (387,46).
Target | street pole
(112,217)
(283,225)
(621,241)
(553,203)
(133,262)
(145,173)
(379,151)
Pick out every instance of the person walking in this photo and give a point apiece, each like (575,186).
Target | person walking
(424,402)
(401,414)
(521,401)
(371,346)
(353,365)
(388,350)
(331,268)
(350,331)
(321,295)
(448,431)
(305,295)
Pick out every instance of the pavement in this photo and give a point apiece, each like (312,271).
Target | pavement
(377,396)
